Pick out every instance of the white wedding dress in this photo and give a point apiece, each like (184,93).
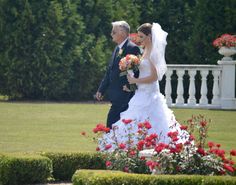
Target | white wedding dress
(147,104)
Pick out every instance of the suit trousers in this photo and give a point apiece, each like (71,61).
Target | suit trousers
(114,113)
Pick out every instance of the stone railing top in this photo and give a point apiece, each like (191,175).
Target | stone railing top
(231,62)
(193,66)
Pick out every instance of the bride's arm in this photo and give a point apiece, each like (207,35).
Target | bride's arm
(149,79)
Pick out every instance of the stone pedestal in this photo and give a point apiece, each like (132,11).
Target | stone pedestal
(227,90)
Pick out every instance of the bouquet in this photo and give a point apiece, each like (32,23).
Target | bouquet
(128,65)
(225,40)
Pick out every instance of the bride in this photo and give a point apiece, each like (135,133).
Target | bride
(148,104)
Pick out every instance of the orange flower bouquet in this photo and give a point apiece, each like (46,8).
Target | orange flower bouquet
(129,62)
(128,65)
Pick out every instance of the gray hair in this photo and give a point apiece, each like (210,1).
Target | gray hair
(122,24)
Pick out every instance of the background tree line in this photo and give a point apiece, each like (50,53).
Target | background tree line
(59,49)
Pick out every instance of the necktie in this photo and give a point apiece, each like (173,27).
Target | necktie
(117,51)
(115,55)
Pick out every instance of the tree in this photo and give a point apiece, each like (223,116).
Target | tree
(210,20)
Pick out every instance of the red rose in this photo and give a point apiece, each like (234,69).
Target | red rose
(95,130)
(211,144)
(108,163)
(101,128)
(159,148)
(201,151)
(220,153)
(132,153)
(140,132)
(187,143)
(126,169)
(153,136)
(122,146)
(147,125)
(127,121)
(191,138)
(140,125)
(142,158)
(233,152)
(107,129)
(172,134)
(107,147)
(175,139)
(203,123)
(140,144)
(183,127)
(179,147)
(151,164)
(229,168)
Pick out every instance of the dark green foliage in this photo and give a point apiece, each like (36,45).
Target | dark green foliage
(93,177)
(65,164)
(16,170)
(36,53)
(210,20)
(59,49)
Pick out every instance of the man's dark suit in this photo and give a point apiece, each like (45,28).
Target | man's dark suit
(113,83)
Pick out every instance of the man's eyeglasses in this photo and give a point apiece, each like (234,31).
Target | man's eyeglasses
(113,32)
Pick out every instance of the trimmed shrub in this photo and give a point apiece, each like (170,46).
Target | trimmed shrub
(94,177)
(17,169)
(65,164)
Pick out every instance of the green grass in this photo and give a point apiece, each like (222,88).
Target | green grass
(33,127)
(3,97)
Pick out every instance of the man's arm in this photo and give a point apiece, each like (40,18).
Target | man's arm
(103,85)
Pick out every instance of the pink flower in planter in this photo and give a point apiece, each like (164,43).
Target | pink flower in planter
(226,40)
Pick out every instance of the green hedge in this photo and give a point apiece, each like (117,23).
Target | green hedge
(19,169)
(65,164)
(94,177)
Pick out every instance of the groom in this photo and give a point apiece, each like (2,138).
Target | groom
(118,93)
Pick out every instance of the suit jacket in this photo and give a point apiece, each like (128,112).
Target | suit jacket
(112,80)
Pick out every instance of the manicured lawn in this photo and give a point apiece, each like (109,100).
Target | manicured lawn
(33,127)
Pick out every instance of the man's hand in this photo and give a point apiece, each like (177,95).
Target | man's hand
(99,96)
(131,79)
(125,88)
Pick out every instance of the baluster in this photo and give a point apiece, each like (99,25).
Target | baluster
(180,88)
(191,99)
(204,100)
(216,90)
(168,87)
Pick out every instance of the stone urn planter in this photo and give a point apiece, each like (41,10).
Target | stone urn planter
(227,52)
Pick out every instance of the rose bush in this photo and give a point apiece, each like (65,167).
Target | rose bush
(193,156)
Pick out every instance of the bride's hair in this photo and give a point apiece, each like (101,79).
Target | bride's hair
(145,28)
